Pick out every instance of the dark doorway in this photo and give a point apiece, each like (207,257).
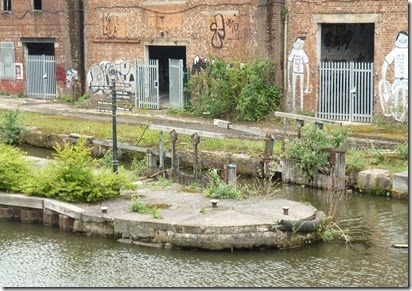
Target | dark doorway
(40,48)
(163,54)
(347,42)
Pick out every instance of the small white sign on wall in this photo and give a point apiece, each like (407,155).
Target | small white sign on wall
(19,70)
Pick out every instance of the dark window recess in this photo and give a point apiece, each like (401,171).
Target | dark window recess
(7,5)
(37,5)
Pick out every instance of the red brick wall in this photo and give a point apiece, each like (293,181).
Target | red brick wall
(120,33)
(392,17)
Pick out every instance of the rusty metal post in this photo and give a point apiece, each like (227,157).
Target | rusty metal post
(173,139)
(195,140)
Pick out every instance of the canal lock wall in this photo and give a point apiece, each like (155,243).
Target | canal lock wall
(374,181)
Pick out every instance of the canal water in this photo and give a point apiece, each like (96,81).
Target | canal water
(40,256)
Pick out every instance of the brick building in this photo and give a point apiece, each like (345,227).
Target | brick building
(343,60)
(118,32)
(370,34)
(41,47)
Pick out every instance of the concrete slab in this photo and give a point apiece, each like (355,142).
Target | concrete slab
(64,208)
(20,200)
(401,182)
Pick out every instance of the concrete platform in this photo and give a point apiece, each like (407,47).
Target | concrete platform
(189,220)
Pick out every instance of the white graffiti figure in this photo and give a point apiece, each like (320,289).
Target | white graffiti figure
(299,61)
(390,94)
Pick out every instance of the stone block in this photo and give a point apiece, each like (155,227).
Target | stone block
(374,179)
(9,213)
(66,223)
(63,208)
(400,187)
(50,218)
(31,215)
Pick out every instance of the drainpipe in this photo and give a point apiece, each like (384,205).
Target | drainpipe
(285,58)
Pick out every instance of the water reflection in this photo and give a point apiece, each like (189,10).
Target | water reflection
(38,256)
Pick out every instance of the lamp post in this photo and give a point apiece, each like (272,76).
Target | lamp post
(113,74)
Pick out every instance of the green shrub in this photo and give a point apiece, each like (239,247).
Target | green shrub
(310,153)
(234,90)
(11,127)
(219,189)
(14,168)
(72,177)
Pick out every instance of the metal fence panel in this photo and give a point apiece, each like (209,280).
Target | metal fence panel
(176,84)
(40,76)
(147,84)
(346,91)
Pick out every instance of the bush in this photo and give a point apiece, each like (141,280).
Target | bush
(11,127)
(234,90)
(14,168)
(309,151)
(72,177)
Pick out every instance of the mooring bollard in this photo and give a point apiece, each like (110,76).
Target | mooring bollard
(104,209)
(285,210)
(214,202)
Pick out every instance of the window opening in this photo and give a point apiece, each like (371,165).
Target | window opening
(6,5)
(37,4)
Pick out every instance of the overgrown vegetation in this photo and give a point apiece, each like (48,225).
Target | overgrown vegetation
(334,203)
(310,152)
(72,177)
(11,127)
(235,90)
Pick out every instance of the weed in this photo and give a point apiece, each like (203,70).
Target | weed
(137,205)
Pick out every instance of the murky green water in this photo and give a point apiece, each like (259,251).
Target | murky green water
(39,256)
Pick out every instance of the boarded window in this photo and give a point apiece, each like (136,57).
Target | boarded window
(7,70)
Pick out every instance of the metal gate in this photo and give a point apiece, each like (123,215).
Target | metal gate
(147,84)
(176,84)
(40,76)
(346,91)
